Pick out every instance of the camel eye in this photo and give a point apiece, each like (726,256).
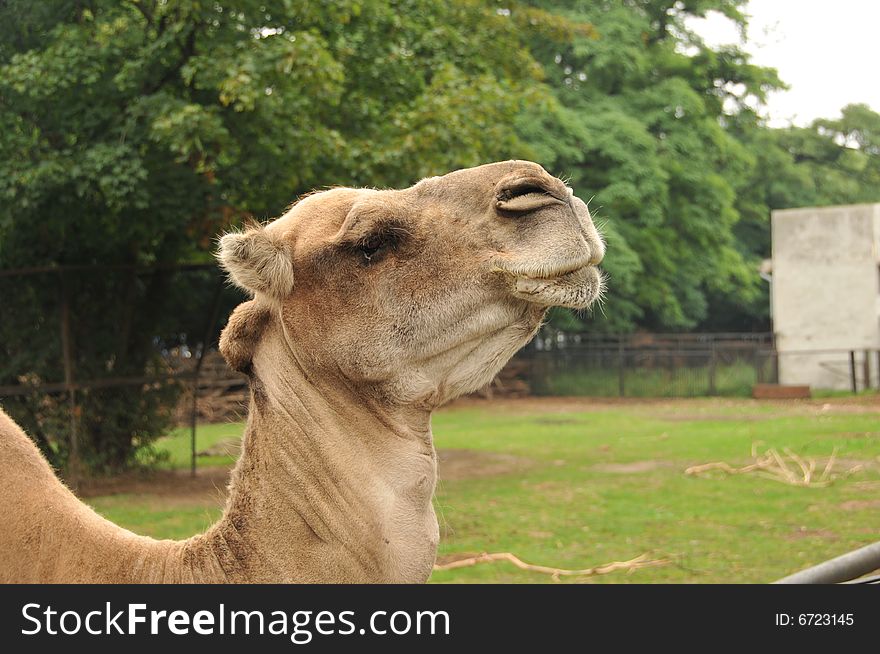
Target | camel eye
(372,246)
(384,239)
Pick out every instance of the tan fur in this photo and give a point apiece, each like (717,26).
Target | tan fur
(243,332)
(258,261)
(349,346)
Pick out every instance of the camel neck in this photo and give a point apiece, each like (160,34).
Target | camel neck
(330,483)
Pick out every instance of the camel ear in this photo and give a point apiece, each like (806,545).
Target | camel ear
(239,338)
(258,262)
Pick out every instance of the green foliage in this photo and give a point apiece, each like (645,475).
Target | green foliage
(637,129)
(660,131)
(830,162)
(134,132)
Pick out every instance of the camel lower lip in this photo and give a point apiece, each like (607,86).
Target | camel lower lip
(567,274)
(522,272)
(576,289)
(553,278)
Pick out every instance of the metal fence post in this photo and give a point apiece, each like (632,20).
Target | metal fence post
(759,368)
(206,343)
(711,371)
(73,463)
(878,368)
(776,354)
(621,373)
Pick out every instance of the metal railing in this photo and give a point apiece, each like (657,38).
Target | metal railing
(847,568)
(649,365)
(685,365)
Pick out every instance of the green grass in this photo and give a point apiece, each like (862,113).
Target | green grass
(179,447)
(156,516)
(564,509)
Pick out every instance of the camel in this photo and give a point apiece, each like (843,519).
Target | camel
(369,309)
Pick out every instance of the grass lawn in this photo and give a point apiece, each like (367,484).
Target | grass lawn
(575,483)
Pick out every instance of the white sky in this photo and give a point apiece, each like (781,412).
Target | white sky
(827,52)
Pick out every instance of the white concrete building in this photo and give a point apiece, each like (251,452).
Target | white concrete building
(825,294)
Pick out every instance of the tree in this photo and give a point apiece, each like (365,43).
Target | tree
(639,126)
(829,162)
(135,131)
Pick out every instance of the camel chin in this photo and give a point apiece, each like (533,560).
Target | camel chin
(368,309)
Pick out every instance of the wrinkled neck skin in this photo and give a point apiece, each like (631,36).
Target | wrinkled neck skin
(332,484)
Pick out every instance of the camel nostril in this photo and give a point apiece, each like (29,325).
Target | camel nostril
(519,191)
(526,194)
(523,186)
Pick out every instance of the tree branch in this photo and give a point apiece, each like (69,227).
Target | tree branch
(187,52)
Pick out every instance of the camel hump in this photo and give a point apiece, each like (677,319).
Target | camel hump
(17,451)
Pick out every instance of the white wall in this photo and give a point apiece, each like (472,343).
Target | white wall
(826,291)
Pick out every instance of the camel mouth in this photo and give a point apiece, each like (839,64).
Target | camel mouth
(527,194)
(575,289)
(545,271)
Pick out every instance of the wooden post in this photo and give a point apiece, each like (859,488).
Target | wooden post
(73,462)
(621,373)
(852,371)
(193,421)
(866,369)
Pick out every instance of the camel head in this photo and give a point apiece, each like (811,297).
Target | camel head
(415,295)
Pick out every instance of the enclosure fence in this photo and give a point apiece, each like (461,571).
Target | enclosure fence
(60,350)
(680,365)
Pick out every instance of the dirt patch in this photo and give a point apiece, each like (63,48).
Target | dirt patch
(531,405)
(866,485)
(454,464)
(804,532)
(558,421)
(703,408)
(630,468)
(858,505)
(208,484)
(710,417)
(845,464)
